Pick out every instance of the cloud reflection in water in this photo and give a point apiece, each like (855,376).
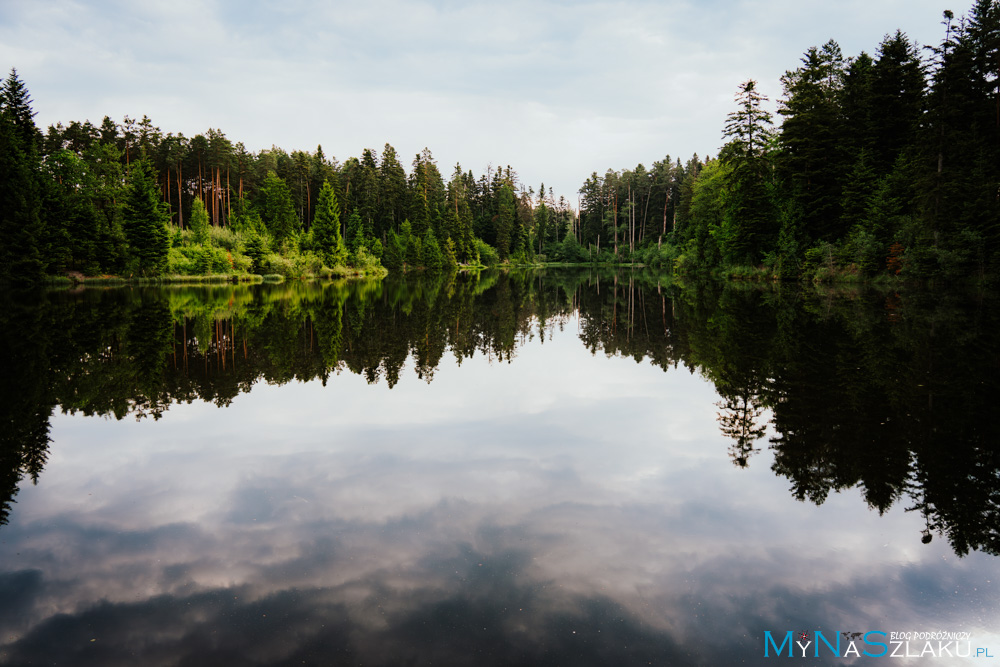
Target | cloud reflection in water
(512,523)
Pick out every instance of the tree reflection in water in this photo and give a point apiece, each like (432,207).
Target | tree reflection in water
(889,393)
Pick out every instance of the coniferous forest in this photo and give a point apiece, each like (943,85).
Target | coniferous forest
(882,164)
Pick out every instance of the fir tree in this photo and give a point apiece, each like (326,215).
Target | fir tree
(326,227)
(199,222)
(145,220)
(355,232)
(277,209)
(16,102)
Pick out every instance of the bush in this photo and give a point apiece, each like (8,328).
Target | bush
(487,254)
(570,250)
(224,237)
(179,263)
(242,264)
(203,261)
(432,257)
(816,257)
(366,261)
(256,250)
(864,251)
(450,261)
(392,257)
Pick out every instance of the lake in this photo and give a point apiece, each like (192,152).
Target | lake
(531,468)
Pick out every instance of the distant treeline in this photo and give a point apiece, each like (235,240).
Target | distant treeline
(884,164)
(881,165)
(126,198)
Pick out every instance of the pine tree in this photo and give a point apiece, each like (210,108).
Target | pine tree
(20,206)
(395,253)
(811,161)
(432,257)
(277,209)
(16,102)
(750,223)
(145,220)
(897,100)
(355,232)
(21,189)
(326,227)
(392,191)
(199,222)
(506,216)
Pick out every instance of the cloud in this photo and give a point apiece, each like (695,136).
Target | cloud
(555,89)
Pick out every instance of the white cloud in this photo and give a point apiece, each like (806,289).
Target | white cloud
(556,89)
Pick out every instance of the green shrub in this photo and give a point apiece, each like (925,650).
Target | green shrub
(487,254)
(432,257)
(394,253)
(224,237)
(366,261)
(570,249)
(179,263)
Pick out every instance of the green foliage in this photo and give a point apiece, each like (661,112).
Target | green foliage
(708,210)
(354,234)
(366,261)
(246,218)
(486,253)
(276,208)
(819,261)
(225,238)
(450,262)
(144,219)
(20,206)
(326,228)
(203,263)
(864,251)
(199,222)
(394,254)
(570,250)
(662,257)
(256,249)
(506,218)
(431,256)
(180,262)
(375,247)
(414,251)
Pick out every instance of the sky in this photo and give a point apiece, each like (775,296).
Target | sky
(555,89)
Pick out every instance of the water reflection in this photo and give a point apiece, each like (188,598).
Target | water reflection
(535,503)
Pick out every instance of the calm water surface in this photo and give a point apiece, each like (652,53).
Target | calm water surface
(550,469)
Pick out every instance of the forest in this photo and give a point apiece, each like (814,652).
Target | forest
(127,199)
(881,165)
(884,164)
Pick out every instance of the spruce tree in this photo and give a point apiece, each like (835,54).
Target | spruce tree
(199,222)
(16,101)
(432,257)
(326,228)
(750,223)
(277,209)
(355,232)
(21,188)
(145,221)
(506,215)
(811,162)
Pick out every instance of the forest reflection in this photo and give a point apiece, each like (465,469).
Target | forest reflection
(891,393)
